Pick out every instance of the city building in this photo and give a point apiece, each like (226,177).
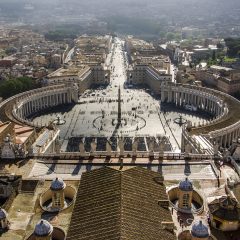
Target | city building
(224,79)
(117,150)
(147,75)
(84,76)
(92,49)
(8,62)
(225,213)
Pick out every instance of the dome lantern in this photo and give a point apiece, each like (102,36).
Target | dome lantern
(3,214)
(3,219)
(57,184)
(43,229)
(186,185)
(199,230)
(58,198)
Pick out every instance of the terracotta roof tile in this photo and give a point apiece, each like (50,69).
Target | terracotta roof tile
(111,204)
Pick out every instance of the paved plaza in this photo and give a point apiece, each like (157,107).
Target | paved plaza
(96,112)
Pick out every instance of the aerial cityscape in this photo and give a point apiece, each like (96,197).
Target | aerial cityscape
(119,120)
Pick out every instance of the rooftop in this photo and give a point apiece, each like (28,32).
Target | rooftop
(22,133)
(120,205)
(71,71)
(220,68)
(225,208)
(3,126)
(231,118)
(9,58)
(25,212)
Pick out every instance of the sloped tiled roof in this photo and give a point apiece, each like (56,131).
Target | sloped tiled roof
(226,208)
(114,204)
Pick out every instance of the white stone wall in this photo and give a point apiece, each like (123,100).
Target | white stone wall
(143,74)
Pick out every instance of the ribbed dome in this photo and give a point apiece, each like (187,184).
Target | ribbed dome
(57,184)
(186,185)
(199,230)
(3,214)
(43,228)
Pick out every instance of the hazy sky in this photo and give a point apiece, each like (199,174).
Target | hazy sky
(212,10)
(106,3)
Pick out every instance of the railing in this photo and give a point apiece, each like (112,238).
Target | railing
(103,154)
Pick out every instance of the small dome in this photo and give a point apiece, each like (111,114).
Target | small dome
(57,184)
(186,185)
(43,228)
(7,139)
(3,214)
(199,230)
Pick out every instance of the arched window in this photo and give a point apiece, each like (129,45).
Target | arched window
(186,200)
(57,199)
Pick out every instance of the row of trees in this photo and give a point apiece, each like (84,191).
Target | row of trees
(59,35)
(17,85)
(233,45)
(133,25)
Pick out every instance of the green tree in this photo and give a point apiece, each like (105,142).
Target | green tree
(233,45)
(170,36)
(11,50)
(17,85)
(214,55)
(178,37)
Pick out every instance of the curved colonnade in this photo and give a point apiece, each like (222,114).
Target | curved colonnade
(201,98)
(222,130)
(225,126)
(21,106)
